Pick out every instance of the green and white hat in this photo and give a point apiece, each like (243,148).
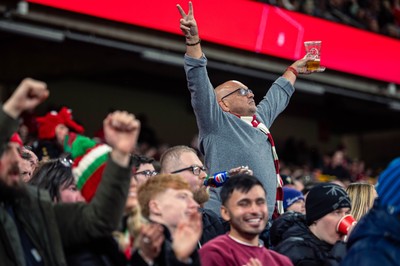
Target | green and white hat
(89,162)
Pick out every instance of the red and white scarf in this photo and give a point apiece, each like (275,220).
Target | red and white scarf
(252,120)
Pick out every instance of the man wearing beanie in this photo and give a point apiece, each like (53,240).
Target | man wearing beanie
(314,240)
(376,238)
(293,200)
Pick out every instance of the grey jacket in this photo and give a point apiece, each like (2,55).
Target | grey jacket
(225,140)
(54,226)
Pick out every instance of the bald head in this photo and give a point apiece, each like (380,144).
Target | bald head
(240,103)
(227,87)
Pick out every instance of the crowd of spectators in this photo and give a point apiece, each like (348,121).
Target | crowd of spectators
(298,159)
(125,199)
(378,16)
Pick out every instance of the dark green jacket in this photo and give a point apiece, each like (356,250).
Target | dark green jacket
(8,126)
(52,227)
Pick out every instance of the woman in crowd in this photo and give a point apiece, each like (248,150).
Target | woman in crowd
(56,177)
(362,196)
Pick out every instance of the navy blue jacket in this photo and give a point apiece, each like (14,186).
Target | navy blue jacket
(375,240)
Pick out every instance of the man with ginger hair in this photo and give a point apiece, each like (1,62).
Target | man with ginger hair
(168,200)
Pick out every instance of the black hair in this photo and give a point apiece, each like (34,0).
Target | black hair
(53,175)
(140,159)
(242,182)
(26,155)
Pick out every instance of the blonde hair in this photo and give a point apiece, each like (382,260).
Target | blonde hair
(362,196)
(156,185)
(134,225)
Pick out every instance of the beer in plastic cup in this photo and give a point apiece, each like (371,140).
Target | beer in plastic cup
(313,49)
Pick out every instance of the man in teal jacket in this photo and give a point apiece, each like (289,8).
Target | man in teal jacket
(34,231)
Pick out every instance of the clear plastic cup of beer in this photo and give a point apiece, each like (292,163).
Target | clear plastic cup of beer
(313,50)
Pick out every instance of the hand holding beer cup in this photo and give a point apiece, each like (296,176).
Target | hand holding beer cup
(313,51)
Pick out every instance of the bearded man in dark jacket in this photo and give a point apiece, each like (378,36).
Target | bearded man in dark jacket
(34,231)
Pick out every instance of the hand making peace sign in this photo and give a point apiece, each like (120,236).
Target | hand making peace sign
(188,24)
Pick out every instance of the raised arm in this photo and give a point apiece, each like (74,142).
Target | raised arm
(80,223)
(189,28)
(121,131)
(29,94)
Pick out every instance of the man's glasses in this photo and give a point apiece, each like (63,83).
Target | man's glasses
(194,168)
(242,92)
(147,173)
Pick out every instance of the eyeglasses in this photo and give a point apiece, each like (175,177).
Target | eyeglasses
(242,92)
(194,168)
(147,173)
(65,161)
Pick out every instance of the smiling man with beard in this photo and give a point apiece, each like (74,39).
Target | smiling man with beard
(244,206)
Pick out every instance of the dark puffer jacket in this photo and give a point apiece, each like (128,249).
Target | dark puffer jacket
(293,239)
(282,224)
(101,252)
(375,240)
(213,226)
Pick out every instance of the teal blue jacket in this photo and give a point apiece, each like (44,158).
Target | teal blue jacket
(227,141)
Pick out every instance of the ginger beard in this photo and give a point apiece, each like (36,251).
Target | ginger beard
(201,195)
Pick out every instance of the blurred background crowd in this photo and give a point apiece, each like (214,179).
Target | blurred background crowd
(378,16)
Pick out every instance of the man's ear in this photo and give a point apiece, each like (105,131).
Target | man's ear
(154,208)
(223,106)
(225,213)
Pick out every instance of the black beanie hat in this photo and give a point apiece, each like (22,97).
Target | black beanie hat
(323,199)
